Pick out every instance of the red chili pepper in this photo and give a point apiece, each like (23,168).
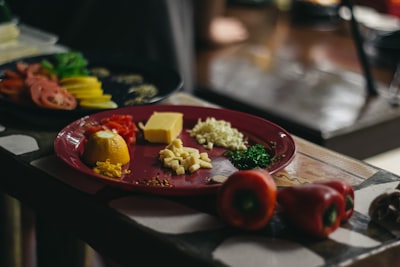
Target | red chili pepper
(347,192)
(247,199)
(313,208)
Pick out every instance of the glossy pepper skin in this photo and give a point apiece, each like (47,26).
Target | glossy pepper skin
(314,209)
(247,199)
(347,191)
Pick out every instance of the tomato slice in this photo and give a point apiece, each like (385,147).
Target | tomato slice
(13,84)
(57,98)
(32,69)
(22,66)
(36,89)
(31,80)
(12,74)
(48,94)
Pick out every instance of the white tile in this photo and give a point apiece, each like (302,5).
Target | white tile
(389,160)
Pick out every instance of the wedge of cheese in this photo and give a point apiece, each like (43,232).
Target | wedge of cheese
(163,127)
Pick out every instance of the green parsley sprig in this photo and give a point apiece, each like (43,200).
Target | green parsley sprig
(67,64)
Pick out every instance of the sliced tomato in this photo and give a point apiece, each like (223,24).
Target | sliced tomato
(57,98)
(16,84)
(33,82)
(33,79)
(22,67)
(36,91)
(12,74)
(48,94)
(33,69)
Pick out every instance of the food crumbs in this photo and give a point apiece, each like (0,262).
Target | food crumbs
(109,169)
(155,181)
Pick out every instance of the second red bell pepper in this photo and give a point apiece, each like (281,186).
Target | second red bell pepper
(347,192)
(247,199)
(314,209)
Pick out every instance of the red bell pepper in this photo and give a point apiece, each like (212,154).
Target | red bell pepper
(315,209)
(247,199)
(347,192)
(123,124)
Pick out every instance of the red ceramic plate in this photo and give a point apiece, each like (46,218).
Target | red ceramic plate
(145,165)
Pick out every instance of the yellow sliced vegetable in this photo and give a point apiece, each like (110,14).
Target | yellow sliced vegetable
(101,98)
(80,79)
(82,86)
(88,91)
(100,105)
(87,94)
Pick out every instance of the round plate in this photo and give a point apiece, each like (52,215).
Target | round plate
(165,79)
(144,164)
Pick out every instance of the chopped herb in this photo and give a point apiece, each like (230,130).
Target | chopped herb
(67,64)
(253,157)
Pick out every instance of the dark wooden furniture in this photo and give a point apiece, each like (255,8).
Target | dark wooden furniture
(306,78)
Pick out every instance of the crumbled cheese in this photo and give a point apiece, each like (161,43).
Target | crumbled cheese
(218,132)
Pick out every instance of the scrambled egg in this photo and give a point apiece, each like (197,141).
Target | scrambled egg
(109,169)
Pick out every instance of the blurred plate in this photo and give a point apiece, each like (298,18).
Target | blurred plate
(144,164)
(164,78)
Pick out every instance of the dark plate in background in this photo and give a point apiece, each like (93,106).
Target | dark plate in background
(166,79)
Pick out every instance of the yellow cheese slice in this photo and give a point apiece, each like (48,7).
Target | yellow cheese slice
(163,127)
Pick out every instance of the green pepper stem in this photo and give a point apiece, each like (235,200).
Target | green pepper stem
(329,216)
(349,202)
(246,201)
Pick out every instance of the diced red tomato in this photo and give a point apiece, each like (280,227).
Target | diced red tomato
(122,124)
(93,129)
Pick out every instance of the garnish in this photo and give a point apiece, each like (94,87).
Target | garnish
(67,64)
(252,157)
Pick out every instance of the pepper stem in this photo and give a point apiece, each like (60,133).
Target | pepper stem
(330,215)
(349,202)
(246,201)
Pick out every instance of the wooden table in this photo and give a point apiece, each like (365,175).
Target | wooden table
(126,226)
(306,78)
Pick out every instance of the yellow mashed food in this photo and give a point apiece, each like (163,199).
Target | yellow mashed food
(108,169)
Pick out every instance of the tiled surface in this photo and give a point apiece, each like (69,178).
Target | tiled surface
(389,160)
